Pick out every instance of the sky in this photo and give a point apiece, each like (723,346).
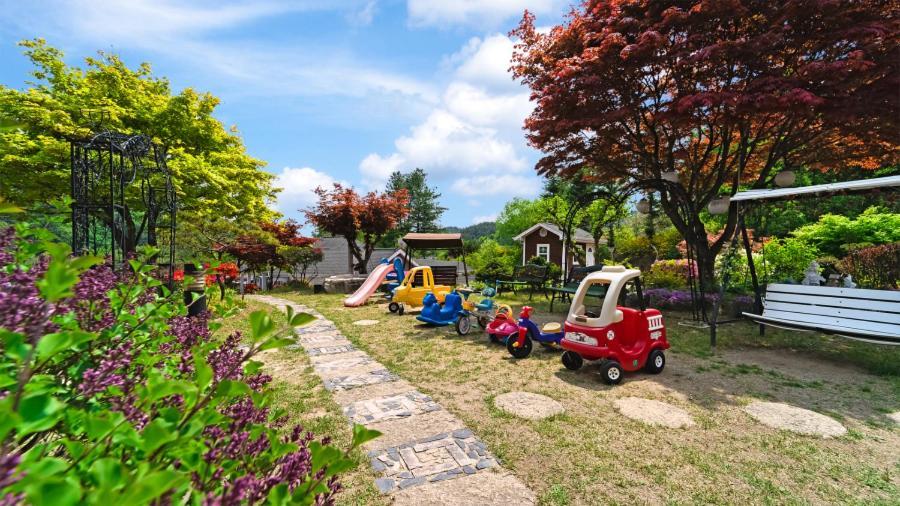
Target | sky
(328,91)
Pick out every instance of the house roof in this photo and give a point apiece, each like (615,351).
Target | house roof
(819,189)
(579,235)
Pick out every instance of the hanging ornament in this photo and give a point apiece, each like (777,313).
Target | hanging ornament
(785,178)
(670,176)
(643,206)
(719,206)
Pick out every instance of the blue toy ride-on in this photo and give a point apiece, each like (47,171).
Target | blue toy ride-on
(451,312)
(548,337)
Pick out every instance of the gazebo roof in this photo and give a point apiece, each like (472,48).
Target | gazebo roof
(819,189)
(432,241)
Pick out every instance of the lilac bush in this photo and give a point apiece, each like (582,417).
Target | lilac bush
(665,298)
(110,394)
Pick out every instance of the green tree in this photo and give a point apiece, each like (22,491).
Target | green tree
(424,210)
(518,214)
(212,173)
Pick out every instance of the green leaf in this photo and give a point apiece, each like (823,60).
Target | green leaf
(51,344)
(107,472)
(300,319)
(152,486)
(261,325)
(276,342)
(39,413)
(99,425)
(54,493)
(229,388)
(363,435)
(157,433)
(47,467)
(203,373)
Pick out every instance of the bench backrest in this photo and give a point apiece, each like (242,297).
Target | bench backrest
(577,274)
(832,307)
(531,273)
(444,274)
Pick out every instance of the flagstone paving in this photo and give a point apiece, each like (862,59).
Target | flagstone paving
(425,455)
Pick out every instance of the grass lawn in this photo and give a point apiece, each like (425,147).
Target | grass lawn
(592,454)
(299,392)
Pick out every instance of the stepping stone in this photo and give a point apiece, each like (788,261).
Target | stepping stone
(358,380)
(802,421)
(468,490)
(528,405)
(654,412)
(895,416)
(365,323)
(432,459)
(390,408)
(330,350)
(342,363)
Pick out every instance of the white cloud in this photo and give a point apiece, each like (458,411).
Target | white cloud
(475,131)
(365,15)
(474,12)
(504,186)
(481,219)
(298,186)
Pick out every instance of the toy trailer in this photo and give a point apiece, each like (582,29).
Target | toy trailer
(622,338)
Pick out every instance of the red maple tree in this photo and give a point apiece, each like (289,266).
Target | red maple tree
(723,92)
(259,252)
(342,212)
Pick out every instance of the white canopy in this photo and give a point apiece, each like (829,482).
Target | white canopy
(810,191)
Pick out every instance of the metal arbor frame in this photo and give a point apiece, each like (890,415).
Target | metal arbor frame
(622,194)
(112,174)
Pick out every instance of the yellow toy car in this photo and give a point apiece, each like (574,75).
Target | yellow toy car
(417,283)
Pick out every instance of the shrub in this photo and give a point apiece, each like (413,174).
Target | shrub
(110,394)
(637,251)
(664,298)
(875,266)
(491,261)
(554,271)
(835,235)
(670,273)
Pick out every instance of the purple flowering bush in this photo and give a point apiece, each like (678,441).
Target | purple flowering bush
(664,298)
(110,394)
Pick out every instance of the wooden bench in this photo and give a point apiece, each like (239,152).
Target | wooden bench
(531,275)
(570,286)
(444,275)
(865,315)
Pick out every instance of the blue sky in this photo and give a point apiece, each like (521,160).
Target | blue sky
(342,90)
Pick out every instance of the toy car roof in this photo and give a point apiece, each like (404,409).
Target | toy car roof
(612,273)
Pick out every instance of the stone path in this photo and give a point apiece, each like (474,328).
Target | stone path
(426,455)
(799,420)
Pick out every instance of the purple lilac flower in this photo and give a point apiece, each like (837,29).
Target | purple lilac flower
(8,476)
(110,371)
(227,359)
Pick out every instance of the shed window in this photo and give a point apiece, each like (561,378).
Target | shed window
(543,251)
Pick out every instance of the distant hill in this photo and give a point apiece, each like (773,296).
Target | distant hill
(474,232)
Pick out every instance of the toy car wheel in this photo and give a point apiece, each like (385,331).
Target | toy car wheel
(519,351)
(656,362)
(611,371)
(483,322)
(394,307)
(572,360)
(400,309)
(463,325)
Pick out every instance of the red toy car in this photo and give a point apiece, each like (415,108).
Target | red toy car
(625,339)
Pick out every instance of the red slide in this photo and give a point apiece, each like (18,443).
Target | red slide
(372,283)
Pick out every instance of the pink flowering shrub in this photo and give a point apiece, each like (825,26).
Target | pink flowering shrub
(670,273)
(110,394)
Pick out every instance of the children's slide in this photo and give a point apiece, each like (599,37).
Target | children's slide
(371,284)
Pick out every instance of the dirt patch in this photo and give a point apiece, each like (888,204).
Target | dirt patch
(528,405)
(654,412)
(798,365)
(794,419)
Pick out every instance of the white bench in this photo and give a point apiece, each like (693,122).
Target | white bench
(865,315)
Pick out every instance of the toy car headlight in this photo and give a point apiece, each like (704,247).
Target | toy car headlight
(578,337)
